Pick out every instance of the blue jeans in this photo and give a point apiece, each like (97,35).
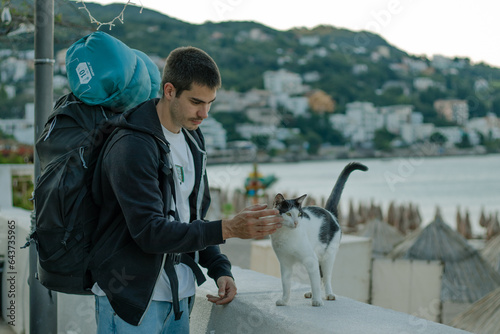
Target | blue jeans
(159,318)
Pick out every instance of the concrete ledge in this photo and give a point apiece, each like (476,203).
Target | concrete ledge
(254,311)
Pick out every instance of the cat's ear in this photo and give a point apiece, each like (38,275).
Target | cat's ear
(278,199)
(301,199)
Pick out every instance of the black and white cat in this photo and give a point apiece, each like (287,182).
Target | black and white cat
(310,235)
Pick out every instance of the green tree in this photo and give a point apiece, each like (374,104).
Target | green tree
(464,142)
(314,141)
(382,140)
(261,141)
(438,138)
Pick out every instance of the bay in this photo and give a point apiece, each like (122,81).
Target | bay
(464,183)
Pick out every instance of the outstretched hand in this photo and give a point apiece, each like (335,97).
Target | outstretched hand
(227,291)
(254,222)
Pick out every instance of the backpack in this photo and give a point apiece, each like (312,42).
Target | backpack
(106,78)
(65,211)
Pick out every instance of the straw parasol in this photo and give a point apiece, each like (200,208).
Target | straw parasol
(384,236)
(467,276)
(491,252)
(482,317)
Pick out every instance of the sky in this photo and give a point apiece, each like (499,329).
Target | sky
(461,28)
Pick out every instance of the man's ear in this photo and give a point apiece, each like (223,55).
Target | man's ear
(169,91)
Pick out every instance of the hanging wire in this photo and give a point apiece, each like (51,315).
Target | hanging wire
(111,23)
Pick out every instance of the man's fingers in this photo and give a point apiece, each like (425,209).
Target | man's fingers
(222,288)
(256,207)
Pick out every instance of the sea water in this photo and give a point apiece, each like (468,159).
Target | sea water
(454,184)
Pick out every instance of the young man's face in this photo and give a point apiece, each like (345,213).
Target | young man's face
(191,107)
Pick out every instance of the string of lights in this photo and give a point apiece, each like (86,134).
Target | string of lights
(111,23)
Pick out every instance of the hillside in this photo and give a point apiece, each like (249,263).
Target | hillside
(349,66)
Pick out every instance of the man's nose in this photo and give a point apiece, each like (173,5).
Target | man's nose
(203,111)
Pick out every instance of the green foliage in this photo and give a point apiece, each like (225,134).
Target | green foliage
(382,140)
(229,120)
(464,142)
(438,138)
(261,141)
(22,190)
(314,141)
(11,158)
(319,125)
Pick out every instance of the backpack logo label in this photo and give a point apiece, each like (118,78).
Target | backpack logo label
(84,73)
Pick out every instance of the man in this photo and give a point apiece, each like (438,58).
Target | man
(137,283)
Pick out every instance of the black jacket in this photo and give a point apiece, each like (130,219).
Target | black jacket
(136,193)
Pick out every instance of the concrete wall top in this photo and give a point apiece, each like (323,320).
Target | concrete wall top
(254,311)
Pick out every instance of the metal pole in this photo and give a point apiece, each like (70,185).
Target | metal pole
(43,303)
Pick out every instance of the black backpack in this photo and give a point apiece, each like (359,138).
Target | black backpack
(65,212)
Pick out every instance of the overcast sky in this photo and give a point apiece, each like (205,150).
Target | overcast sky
(461,28)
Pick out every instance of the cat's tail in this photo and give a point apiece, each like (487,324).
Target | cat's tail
(334,198)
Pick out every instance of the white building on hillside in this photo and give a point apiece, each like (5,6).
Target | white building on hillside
(488,126)
(214,133)
(453,110)
(283,81)
(395,116)
(22,129)
(359,123)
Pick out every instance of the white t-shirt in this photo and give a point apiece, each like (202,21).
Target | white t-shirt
(182,160)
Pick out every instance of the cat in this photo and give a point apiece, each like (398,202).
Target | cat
(310,235)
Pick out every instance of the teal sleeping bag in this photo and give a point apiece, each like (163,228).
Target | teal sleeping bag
(102,70)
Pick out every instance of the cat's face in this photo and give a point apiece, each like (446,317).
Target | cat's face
(290,209)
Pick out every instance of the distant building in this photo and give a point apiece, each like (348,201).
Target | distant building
(283,81)
(423,83)
(441,62)
(297,105)
(453,134)
(396,116)
(410,133)
(362,119)
(415,65)
(453,110)
(309,40)
(488,126)
(22,129)
(358,69)
(247,131)
(13,69)
(359,123)
(264,116)
(214,134)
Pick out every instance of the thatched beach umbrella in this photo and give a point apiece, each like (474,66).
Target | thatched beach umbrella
(467,276)
(482,219)
(493,227)
(491,253)
(467,226)
(482,317)
(384,236)
(459,221)
(391,214)
(352,220)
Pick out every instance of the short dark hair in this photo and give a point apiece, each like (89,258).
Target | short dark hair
(187,65)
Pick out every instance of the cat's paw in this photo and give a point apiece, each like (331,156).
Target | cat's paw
(308,295)
(330,297)
(280,302)
(317,303)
